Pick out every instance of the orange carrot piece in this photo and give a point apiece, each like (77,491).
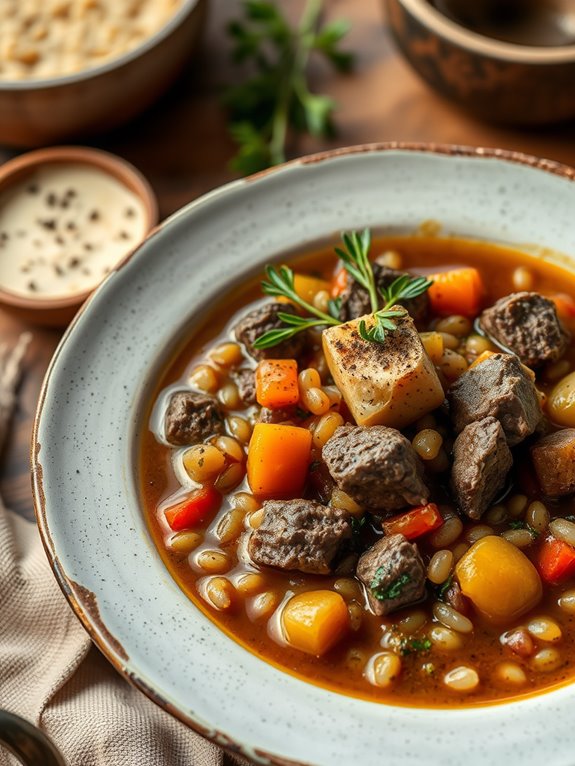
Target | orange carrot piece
(339,283)
(564,305)
(276,383)
(278,459)
(458,291)
(414,523)
(556,560)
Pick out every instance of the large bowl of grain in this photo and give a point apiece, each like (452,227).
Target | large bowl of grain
(72,68)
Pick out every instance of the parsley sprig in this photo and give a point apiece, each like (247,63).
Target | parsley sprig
(277,98)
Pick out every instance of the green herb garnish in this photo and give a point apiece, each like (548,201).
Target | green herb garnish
(355,258)
(280,282)
(414,645)
(519,524)
(403,288)
(277,98)
(393,590)
(444,587)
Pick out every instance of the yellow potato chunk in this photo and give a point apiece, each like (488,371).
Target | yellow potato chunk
(499,579)
(393,383)
(315,620)
(561,402)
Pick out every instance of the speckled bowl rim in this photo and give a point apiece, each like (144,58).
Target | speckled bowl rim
(41,83)
(90,617)
(489,47)
(12,171)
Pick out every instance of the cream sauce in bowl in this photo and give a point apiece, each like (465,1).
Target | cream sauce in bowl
(64,227)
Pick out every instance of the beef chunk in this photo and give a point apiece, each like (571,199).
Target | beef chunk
(245,380)
(191,418)
(262,320)
(393,574)
(300,534)
(501,387)
(527,324)
(554,461)
(376,466)
(481,463)
(355,298)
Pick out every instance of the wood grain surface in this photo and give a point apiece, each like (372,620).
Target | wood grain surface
(183,148)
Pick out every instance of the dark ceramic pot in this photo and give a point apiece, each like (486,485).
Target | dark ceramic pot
(27,742)
(496,80)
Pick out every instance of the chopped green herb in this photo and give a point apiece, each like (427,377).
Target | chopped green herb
(414,645)
(444,587)
(391,591)
(519,524)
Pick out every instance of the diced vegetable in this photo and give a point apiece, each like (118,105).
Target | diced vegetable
(308,287)
(481,358)
(392,383)
(456,292)
(433,345)
(315,620)
(555,560)
(553,458)
(561,401)
(339,283)
(278,459)
(195,509)
(276,383)
(414,523)
(564,304)
(499,579)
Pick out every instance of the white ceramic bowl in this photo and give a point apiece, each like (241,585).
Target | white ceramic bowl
(90,416)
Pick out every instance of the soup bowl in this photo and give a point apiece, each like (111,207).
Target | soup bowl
(91,417)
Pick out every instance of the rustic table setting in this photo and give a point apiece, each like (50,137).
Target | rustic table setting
(183,147)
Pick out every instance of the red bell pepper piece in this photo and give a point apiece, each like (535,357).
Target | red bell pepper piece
(555,560)
(415,523)
(201,504)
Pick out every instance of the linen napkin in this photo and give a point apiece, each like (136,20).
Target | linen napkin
(52,675)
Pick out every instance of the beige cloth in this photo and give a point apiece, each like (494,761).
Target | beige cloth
(51,674)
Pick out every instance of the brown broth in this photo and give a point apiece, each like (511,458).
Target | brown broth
(337,670)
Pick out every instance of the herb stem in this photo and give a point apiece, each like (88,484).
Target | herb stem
(294,75)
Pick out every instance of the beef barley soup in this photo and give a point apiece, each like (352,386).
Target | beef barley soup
(363,470)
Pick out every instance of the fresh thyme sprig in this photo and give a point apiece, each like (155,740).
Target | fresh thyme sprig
(355,258)
(404,288)
(280,283)
(277,98)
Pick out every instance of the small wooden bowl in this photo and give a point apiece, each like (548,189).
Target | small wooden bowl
(500,81)
(58,311)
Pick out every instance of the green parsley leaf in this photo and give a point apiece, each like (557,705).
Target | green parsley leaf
(391,591)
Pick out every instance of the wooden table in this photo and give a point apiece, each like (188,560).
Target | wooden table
(182,146)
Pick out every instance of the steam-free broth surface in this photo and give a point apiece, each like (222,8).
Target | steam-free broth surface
(413,655)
